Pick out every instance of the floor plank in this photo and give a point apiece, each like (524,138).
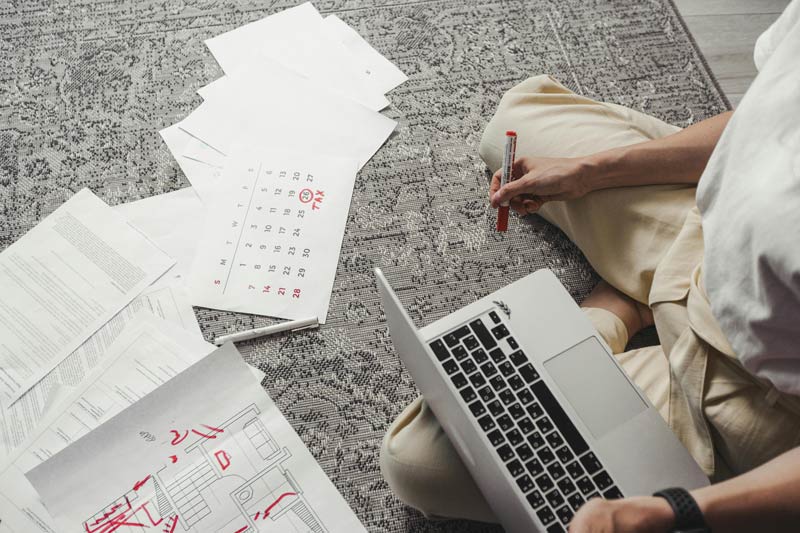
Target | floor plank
(729,7)
(726,31)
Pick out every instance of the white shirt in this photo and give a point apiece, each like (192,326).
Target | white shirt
(749,198)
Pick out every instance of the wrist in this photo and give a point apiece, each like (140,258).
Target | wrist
(603,170)
(648,513)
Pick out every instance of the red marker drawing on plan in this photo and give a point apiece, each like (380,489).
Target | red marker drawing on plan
(507,177)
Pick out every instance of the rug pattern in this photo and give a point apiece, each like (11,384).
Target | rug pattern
(85,86)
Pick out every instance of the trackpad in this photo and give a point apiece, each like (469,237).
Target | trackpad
(595,387)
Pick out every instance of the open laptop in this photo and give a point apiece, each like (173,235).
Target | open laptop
(536,406)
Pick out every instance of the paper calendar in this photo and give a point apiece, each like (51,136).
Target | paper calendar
(272,235)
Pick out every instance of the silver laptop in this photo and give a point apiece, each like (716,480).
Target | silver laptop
(537,407)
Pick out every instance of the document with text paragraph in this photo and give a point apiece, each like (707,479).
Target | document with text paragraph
(62,281)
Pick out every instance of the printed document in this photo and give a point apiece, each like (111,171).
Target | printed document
(147,354)
(273,235)
(20,419)
(62,281)
(207,451)
(274,108)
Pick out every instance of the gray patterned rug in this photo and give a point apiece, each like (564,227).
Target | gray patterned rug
(85,86)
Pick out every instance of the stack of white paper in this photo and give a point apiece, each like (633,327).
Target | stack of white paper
(97,313)
(273,151)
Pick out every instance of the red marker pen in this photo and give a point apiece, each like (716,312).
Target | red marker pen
(507,177)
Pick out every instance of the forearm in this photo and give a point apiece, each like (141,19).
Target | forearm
(764,499)
(677,158)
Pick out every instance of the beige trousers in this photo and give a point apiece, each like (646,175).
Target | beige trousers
(647,242)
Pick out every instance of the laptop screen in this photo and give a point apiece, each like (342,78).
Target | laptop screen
(595,387)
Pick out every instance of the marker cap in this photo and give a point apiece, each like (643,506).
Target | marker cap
(502,218)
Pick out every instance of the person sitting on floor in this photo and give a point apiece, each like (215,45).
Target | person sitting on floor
(696,231)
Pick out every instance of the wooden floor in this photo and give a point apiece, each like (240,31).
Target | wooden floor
(726,31)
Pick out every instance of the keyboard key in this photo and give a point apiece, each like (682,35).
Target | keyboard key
(488,369)
(516,382)
(544,424)
(497,355)
(500,331)
(516,411)
(526,425)
(602,480)
(525,483)
(585,485)
(525,452)
(574,470)
(471,342)
(496,408)
(486,422)
(518,358)
(453,337)
(506,368)
(592,495)
(545,515)
(564,455)
(477,408)
(556,471)
(494,316)
(477,380)
(535,440)
(564,514)
(544,483)
(525,396)
(505,422)
(554,440)
(498,383)
(496,437)
(575,501)
(468,366)
(566,486)
(534,467)
(512,343)
(458,380)
(529,374)
(554,498)
(590,463)
(613,494)
(555,527)
(450,366)
(439,350)
(487,394)
(505,452)
(459,352)
(535,410)
(535,499)
(507,396)
(480,356)
(483,334)
(515,468)
(546,456)
(560,418)
(514,437)
(468,394)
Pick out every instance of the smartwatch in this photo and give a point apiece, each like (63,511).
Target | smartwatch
(688,516)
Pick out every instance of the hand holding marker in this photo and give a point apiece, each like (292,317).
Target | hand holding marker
(507,177)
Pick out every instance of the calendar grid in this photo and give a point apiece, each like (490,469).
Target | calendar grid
(241,231)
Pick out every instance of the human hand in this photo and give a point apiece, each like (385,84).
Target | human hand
(541,180)
(630,515)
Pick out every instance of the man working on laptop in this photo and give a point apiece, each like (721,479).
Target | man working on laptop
(695,231)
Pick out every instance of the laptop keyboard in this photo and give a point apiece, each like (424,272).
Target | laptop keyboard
(530,432)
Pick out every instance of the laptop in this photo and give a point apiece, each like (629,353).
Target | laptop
(539,410)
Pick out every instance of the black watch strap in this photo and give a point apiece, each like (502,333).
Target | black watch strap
(688,516)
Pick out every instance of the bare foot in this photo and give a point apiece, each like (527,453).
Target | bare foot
(634,315)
